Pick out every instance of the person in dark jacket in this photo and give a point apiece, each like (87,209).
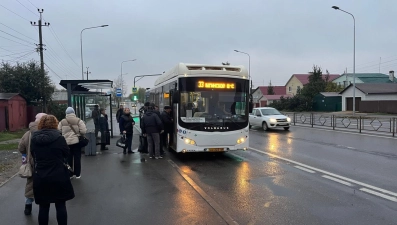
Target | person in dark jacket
(95,117)
(51,182)
(168,122)
(119,113)
(104,128)
(127,125)
(152,128)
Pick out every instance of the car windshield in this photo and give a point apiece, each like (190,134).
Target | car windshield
(267,112)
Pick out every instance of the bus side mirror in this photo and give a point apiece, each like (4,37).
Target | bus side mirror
(175,97)
(251,107)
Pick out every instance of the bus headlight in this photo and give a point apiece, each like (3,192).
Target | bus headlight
(272,120)
(240,141)
(190,141)
(289,120)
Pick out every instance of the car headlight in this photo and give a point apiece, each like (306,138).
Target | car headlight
(240,140)
(190,141)
(272,120)
(289,120)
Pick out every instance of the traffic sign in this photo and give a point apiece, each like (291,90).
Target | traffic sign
(134,89)
(118,92)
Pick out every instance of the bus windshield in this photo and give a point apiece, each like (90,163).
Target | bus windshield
(213,104)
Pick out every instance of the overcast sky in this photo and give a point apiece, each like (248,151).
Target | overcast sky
(283,37)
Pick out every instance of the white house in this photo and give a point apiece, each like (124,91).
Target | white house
(368,92)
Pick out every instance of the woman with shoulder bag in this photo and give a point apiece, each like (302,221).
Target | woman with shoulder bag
(72,128)
(24,148)
(51,183)
(104,129)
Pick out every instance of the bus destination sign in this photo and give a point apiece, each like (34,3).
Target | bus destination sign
(215,85)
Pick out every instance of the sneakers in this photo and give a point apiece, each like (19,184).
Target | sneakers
(131,152)
(151,157)
(160,157)
(78,177)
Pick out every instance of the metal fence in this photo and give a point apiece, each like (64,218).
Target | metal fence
(361,124)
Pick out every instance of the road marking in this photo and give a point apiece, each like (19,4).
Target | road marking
(326,172)
(394,199)
(337,180)
(345,132)
(304,169)
(228,219)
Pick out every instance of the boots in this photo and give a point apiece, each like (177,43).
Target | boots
(28,209)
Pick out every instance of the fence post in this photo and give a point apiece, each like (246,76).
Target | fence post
(394,126)
(333,122)
(360,124)
(390,125)
(312,119)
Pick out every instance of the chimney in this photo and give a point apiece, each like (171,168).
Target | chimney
(391,76)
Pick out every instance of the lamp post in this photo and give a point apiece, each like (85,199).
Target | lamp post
(81,47)
(354,57)
(121,74)
(249,72)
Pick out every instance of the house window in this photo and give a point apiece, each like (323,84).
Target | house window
(289,89)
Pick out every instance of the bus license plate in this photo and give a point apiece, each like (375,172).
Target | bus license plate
(216,149)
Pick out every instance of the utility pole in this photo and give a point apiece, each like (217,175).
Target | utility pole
(87,72)
(41,48)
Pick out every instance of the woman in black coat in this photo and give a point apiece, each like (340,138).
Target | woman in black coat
(51,182)
(104,128)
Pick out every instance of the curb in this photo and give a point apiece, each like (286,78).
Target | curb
(6,181)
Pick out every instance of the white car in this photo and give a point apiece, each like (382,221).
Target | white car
(268,117)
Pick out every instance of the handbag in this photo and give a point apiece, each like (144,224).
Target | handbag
(121,142)
(83,141)
(25,171)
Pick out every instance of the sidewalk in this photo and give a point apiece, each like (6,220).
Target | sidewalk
(119,189)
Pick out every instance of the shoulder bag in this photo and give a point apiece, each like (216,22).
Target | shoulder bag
(25,171)
(83,141)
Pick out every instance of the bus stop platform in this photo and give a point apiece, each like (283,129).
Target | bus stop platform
(119,189)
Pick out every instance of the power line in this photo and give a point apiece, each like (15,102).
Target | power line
(17,31)
(15,41)
(60,43)
(26,7)
(21,57)
(32,4)
(17,37)
(15,53)
(53,71)
(14,13)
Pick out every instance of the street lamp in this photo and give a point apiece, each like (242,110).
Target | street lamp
(249,71)
(121,74)
(81,47)
(354,57)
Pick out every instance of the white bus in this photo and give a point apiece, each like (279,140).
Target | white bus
(210,106)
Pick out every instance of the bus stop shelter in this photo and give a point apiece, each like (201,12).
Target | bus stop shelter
(79,90)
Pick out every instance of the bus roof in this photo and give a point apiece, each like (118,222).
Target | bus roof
(186,69)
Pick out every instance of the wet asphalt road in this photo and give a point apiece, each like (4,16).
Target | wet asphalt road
(304,176)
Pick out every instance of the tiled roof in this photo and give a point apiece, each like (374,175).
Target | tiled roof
(304,78)
(372,77)
(379,88)
(278,90)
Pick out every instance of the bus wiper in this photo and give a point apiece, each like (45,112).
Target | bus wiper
(229,118)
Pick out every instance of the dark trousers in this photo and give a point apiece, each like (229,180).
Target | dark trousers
(128,142)
(164,139)
(75,159)
(62,214)
(96,129)
(121,128)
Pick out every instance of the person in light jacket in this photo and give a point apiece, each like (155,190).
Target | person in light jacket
(73,139)
(23,147)
(51,183)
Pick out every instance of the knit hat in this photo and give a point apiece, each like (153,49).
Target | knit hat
(39,115)
(69,110)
